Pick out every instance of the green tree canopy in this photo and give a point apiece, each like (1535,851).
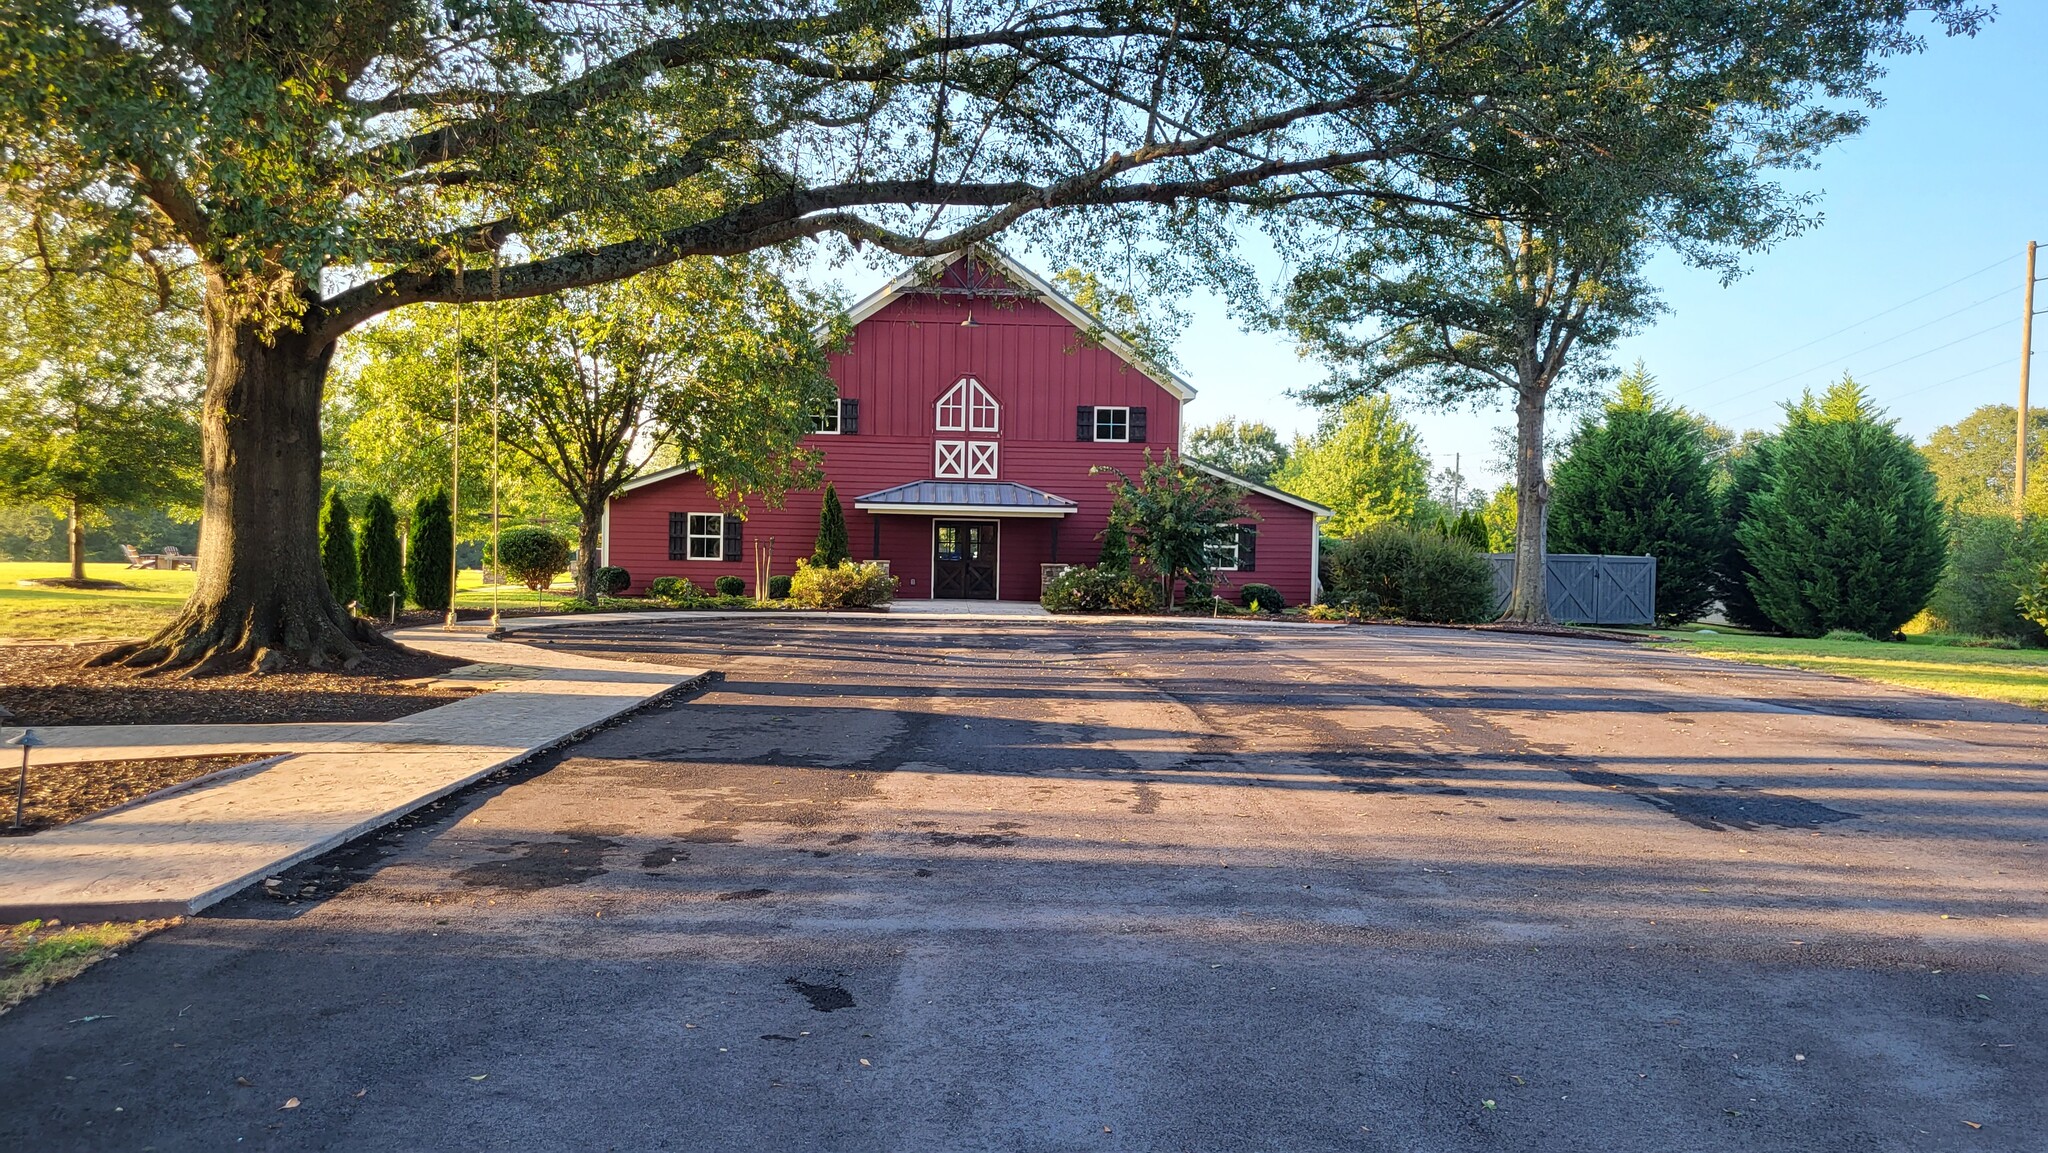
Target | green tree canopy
(1844,531)
(1636,481)
(1247,448)
(1973,459)
(99,372)
(710,362)
(1365,462)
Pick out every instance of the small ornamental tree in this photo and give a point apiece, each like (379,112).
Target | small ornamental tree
(1174,517)
(533,555)
(832,547)
(429,563)
(338,550)
(1636,482)
(1845,531)
(377,565)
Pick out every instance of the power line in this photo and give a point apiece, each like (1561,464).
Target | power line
(1873,344)
(2003,362)
(2004,260)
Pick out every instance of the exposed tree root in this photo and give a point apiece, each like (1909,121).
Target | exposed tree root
(211,639)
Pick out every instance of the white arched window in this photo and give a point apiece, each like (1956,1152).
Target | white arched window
(968,407)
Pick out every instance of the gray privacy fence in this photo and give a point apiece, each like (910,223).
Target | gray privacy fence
(1588,590)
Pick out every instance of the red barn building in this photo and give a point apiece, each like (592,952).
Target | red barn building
(974,400)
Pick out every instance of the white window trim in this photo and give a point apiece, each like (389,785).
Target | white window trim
(1217,549)
(1102,408)
(971,400)
(981,460)
(691,536)
(838,412)
(958,455)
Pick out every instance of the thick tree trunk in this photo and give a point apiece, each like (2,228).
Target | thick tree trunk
(75,538)
(589,543)
(261,600)
(1529,601)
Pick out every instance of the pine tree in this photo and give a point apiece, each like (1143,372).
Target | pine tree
(1636,482)
(428,563)
(377,564)
(1844,530)
(338,549)
(1470,527)
(832,547)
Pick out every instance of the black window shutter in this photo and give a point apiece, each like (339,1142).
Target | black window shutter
(849,417)
(1084,423)
(678,536)
(1137,426)
(732,538)
(1247,548)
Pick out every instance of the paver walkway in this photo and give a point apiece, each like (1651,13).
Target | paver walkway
(181,852)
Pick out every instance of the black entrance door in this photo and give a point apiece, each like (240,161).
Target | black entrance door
(964,560)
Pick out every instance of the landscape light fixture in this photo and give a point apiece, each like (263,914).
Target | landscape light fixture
(970,322)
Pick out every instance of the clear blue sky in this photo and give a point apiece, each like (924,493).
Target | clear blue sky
(1950,176)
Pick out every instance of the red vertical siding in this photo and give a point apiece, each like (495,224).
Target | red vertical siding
(898,362)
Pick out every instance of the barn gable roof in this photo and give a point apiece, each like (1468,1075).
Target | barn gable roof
(925,272)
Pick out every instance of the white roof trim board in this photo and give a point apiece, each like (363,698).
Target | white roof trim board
(1262,490)
(1077,316)
(656,477)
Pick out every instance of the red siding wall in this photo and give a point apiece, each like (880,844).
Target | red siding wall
(1040,369)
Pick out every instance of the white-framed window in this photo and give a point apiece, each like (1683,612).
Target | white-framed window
(1112,424)
(707,536)
(949,458)
(1223,554)
(981,460)
(826,419)
(968,407)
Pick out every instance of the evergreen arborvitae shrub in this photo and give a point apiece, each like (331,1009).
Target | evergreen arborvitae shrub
(1470,527)
(338,550)
(429,564)
(377,565)
(1845,531)
(1116,549)
(832,547)
(532,556)
(1636,482)
(1748,467)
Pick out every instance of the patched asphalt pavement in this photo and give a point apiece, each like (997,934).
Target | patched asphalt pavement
(933,885)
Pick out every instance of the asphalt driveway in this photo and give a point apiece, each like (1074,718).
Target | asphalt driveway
(928,885)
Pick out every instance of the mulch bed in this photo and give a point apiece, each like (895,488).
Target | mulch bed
(51,685)
(60,794)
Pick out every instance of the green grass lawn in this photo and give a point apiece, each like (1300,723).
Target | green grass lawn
(152,598)
(1937,663)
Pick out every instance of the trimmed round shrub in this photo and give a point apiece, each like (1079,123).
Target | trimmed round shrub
(1419,576)
(1092,590)
(532,555)
(730,586)
(1266,597)
(610,580)
(846,585)
(674,589)
(778,588)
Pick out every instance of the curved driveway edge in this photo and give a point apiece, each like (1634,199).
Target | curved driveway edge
(179,853)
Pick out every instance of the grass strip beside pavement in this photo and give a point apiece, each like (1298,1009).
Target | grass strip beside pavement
(1935,663)
(35,955)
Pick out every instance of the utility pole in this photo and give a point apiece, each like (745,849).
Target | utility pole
(2019,471)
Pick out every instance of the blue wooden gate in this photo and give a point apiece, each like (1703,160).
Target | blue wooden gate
(1586,589)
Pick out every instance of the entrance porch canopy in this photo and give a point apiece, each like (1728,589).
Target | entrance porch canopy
(985,498)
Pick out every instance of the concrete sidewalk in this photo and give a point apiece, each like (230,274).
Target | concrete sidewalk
(181,852)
